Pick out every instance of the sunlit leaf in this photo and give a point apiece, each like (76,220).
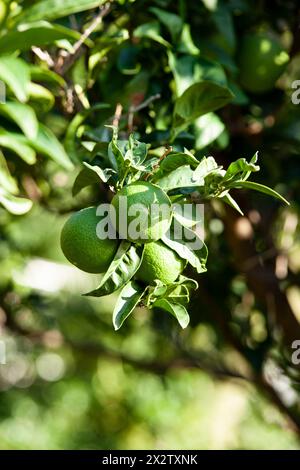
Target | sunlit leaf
(124,265)
(128,299)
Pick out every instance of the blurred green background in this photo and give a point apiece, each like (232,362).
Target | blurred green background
(71,381)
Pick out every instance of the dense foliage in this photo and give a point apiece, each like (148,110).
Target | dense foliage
(167,74)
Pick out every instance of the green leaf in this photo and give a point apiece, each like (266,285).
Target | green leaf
(228,199)
(52,9)
(186,44)
(124,265)
(224,22)
(47,144)
(182,177)
(183,245)
(241,169)
(171,21)
(15,205)
(174,160)
(206,166)
(7,182)
(151,30)
(91,174)
(207,129)
(178,291)
(23,115)
(18,144)
(40,97)
(36,34)
(128,299)
(136,153)
(16,74)
(257,187)
(200,98)
(188,69)
(177,310)
(187,215)
(115,154)
(79,118)
(41,74)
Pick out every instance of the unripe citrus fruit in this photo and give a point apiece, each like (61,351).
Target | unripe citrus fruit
(141,212)
(160,262)
(81,245)
(262,60)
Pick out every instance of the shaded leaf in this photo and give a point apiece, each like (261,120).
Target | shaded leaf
(79,118)
(200,98)
(171,21)
(258,187)
(7,182)
(91,174)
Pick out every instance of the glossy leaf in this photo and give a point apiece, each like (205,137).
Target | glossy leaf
(258,187)
(228,199)
(7,182)
(206,166)
(174,160)
(171,21)
(47,144)
(182,177)
(36,34)
(124,265)
(151,30)
(176,309)
(207,130)
(200,98)
(18,144)
(40,97)
(23,115)
(15,205)
(52,9)
(91,174)
(241,169)
(189,247)
(16,74)
(79,118)
(128,299)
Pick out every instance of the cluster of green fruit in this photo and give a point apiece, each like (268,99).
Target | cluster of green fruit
(83,248)
(148,269)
